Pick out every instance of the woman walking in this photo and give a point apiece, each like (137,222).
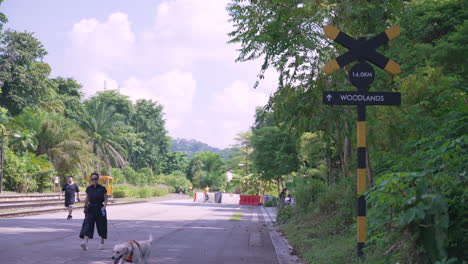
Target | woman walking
(95,212)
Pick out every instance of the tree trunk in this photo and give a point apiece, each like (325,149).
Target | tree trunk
(347,149)
(340,148)
(278,187)
(329,166)
(98,163)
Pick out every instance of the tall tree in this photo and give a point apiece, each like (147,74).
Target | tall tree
(69,92)
(207,168)
(287,36)
(24,75)
(103,124)
(274,154)
(148,122)
(174,161)
(3,18)
(243,150)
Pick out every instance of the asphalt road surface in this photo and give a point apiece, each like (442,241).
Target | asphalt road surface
(183,231)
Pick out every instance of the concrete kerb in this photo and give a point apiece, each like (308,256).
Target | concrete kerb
(282,247)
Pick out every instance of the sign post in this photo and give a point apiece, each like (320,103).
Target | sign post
(361,75)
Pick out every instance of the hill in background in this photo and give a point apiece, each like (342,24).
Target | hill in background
(192,147)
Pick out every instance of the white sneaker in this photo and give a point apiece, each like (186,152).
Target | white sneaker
(84,246)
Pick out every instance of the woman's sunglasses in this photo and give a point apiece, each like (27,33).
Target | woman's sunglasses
(94,179)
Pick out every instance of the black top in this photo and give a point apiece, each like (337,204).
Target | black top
(70,190)
(96,194)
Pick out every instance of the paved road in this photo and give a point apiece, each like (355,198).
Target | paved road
(184,232)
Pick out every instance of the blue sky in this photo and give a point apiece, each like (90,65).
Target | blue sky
(171,51)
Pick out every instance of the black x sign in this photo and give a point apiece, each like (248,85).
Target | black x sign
(361,49)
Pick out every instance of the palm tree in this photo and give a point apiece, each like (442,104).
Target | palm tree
(102,123)
(26,142)
(55,135)
(72,151)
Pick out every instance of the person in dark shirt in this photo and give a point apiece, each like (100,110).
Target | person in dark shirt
(95,212)
(282,196)
(69,189)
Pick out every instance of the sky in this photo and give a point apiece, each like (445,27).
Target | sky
(174,52)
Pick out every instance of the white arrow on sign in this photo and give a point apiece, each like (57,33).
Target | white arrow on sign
(329,97)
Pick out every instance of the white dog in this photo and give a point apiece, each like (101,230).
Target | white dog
(137,252)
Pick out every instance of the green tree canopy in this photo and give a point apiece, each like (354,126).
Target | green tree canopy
(207,168)
(274,153)
(69,92)
(148,122)
(103,125)
(58,137)
(23,74)
(175,161)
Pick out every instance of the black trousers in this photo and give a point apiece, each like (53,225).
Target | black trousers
(94,216)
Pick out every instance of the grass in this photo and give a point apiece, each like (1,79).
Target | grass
(237,216)
(324,231)
(318,239)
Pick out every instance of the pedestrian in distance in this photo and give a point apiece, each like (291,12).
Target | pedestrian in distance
(69,190)
(288,200)
(207,191)
(95,212)
(282,196)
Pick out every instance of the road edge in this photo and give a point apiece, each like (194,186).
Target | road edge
(280,243)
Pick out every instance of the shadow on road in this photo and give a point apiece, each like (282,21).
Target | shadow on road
(36,240)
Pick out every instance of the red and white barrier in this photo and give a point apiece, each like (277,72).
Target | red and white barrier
(230,198)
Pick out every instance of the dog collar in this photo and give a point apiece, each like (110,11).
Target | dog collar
(129,259)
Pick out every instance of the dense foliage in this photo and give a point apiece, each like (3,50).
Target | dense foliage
(417,153)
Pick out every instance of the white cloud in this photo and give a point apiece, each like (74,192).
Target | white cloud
(107,42)
(98,48)
(174,90)
(234,110)
(161,63)
(238,98)
(185,31)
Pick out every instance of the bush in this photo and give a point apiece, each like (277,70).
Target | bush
(144,192)
(270,203)
(44,180)
(131,176)
(306,191)
(122,191)
(25,185)
(118,175)
(119,194)
(126,191)
(171,189)
(175,180)
(159,191)
(284,214)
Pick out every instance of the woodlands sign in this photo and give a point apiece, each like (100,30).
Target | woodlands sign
(361,98)
(361,75)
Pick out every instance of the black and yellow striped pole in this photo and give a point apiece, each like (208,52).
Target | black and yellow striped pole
(361,179)
(361,75)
